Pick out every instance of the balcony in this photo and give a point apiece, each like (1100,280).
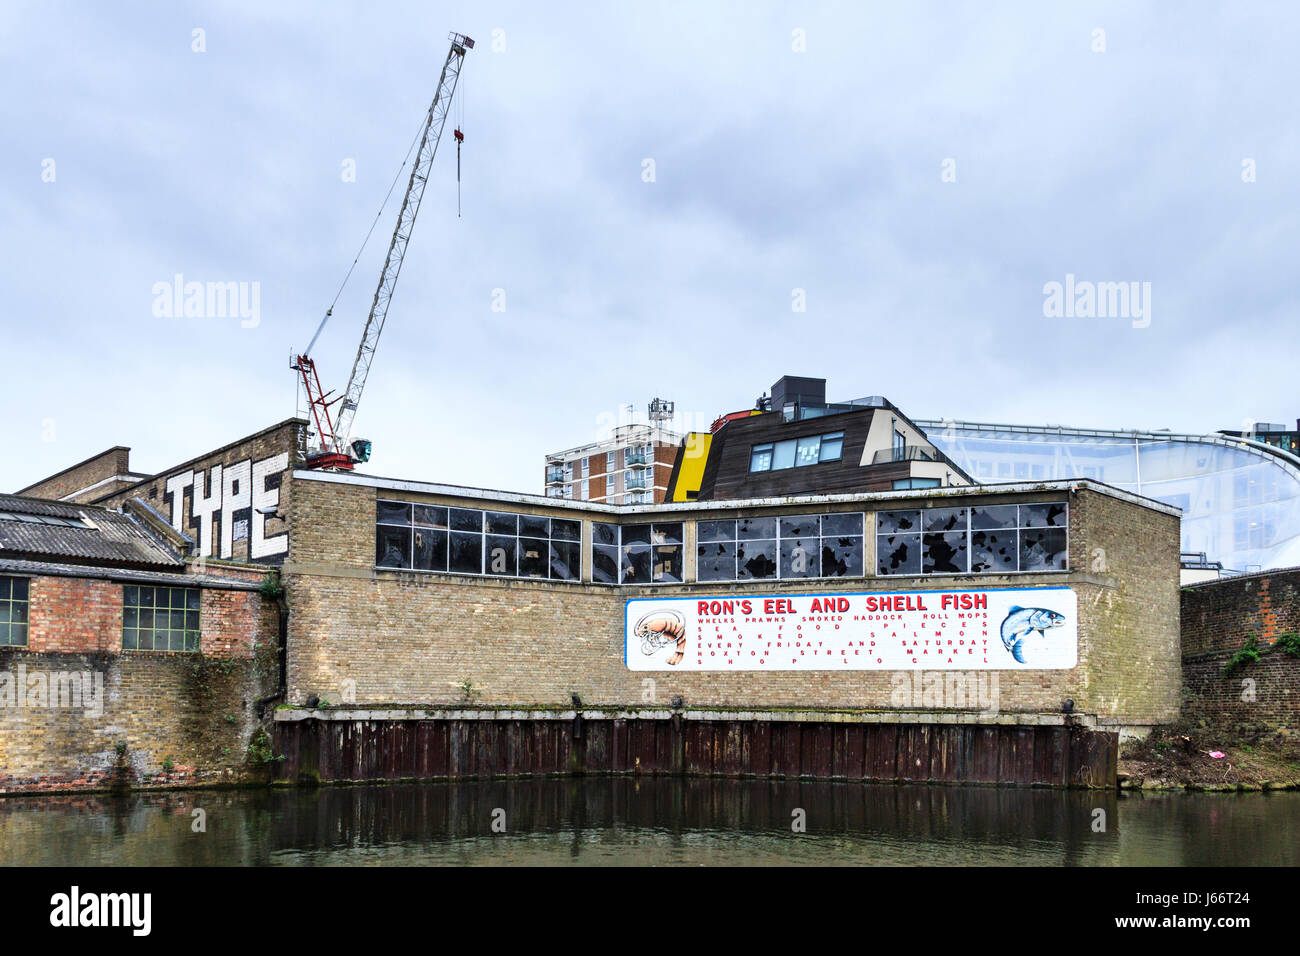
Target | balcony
(637,459)
(910,453)
(554,476)
(637,479)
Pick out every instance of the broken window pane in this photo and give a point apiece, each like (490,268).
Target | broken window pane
(888,522)
(993,550)
(430,550)
(636,563)
(842,557)
(501,552)
(667,533)
(566,560)
(604,564)
(466,552)
(756,560)
(392,512)
(944,553)
(997,516)
(534,556)
(501,523)
(800,558)
(715,530)
(463,519)
(749,529)
(944,519)
(898,554)
(841,524)
(1044,516)
(716,561)
(392,547)
(668,563)
(431,516)
(1043,549)
(533,526)
(565,530)
(800,526)
(602,533)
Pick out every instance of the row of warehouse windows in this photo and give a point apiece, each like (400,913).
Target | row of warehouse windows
(153,618)
(968,540)
(468,541)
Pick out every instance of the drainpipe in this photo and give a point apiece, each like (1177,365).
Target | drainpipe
(279,692)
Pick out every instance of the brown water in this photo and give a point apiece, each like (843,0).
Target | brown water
(670,821)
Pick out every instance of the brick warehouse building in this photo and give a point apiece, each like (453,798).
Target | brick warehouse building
(425,613)
(122,661)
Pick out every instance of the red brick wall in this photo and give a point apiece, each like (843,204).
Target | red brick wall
(84,616)
(1222,615)
(229,622)
(1218,618)
(74,615)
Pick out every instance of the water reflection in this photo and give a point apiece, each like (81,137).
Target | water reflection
(652,821)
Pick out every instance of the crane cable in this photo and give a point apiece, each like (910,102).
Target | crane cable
(330,311)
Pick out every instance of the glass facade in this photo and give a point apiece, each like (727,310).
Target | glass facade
(1240,500)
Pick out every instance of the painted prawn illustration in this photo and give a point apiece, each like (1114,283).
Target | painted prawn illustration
(659,629)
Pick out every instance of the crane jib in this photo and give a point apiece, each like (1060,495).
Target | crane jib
(334,435)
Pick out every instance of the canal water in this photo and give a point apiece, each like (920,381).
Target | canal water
(652,821)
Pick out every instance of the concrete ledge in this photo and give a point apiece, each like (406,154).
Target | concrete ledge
(391,713)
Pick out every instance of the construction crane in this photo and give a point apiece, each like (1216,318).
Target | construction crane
(334,450)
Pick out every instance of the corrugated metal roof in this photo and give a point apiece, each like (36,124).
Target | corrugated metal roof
(211,581)
(37,528)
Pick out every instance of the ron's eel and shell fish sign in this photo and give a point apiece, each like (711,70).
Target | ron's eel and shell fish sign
(991,629)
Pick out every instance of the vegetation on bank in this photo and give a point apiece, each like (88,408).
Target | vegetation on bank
(1206,750)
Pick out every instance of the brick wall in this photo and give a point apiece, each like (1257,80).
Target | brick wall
(286,438)
(194,711)
(1218,618)
(108,464)
(413,638)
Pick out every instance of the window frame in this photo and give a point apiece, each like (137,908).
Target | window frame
(140,607)
(619,547)
(970,531)
(777,539)
(10,601)
(483,534)
(775,451)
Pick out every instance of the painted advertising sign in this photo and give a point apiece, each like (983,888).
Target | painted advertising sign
(978,629)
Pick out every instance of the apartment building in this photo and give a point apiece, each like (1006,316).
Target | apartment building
(632,466)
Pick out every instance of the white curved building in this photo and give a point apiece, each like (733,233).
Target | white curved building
(1240,497)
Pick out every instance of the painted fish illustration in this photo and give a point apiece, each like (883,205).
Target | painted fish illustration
(1020,622)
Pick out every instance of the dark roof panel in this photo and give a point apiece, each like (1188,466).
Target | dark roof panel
(38,528)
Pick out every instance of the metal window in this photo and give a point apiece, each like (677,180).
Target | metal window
(637,553)
(785,547)
(418,537)
(14,604)
(992,539)
(160,618)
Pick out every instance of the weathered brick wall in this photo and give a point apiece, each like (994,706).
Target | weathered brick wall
(1219,618)
(413,638)
(108,464)
(1221,615)
(195,711)
(74,615)
(1129,634)
(285,438)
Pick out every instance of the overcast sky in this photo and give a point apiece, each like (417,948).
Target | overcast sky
(775,169)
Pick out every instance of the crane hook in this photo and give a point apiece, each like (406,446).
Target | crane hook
(460,138)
